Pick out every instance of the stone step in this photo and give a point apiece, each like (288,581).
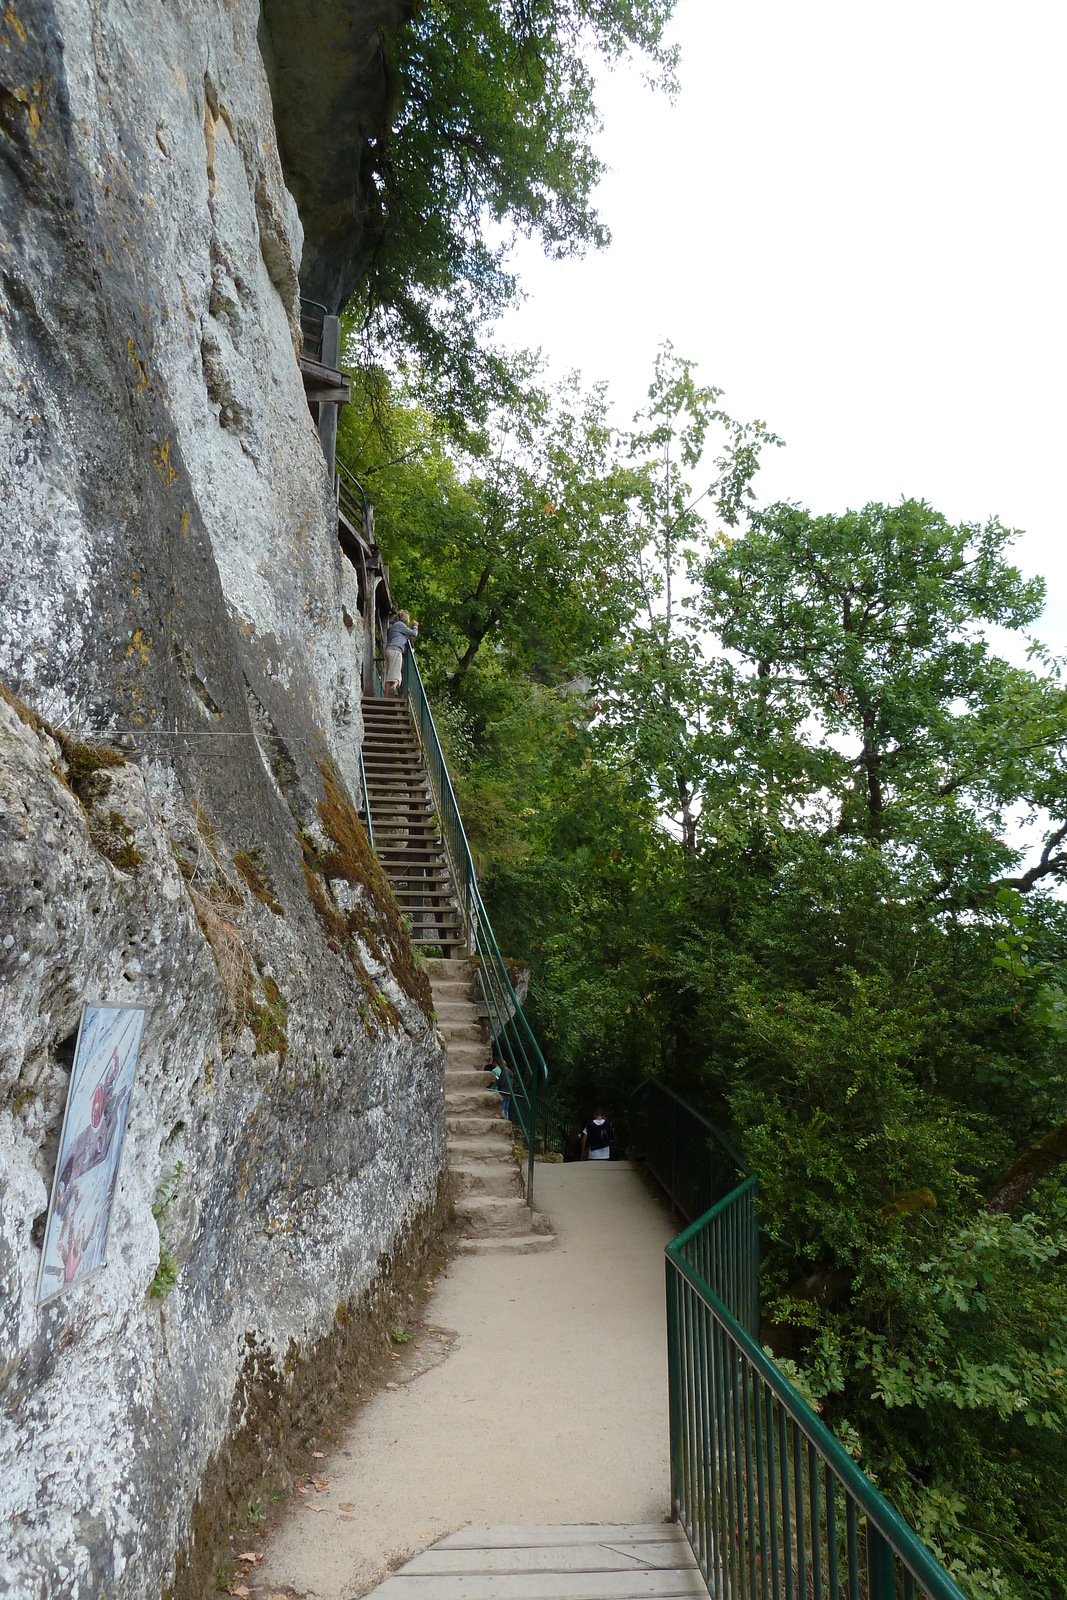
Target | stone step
(503,1244)
(497,1145)
(458,1078)
(486,1177)
(493,1213)
(471,1124)
(459,1032)
(471,1102)
(469,1056)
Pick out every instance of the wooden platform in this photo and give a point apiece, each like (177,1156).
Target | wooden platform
(646,1561)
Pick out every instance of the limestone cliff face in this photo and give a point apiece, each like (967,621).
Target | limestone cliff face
(179,645)
(334,94)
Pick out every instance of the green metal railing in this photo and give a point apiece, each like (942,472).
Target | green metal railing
(773,1505)
(516,1048)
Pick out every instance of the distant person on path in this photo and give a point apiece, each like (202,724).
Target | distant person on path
(401,632)
(598,1136)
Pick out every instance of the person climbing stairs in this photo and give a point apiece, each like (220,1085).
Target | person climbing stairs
(487,1182)
(407,838)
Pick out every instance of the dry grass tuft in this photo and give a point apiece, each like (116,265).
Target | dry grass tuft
(249,865)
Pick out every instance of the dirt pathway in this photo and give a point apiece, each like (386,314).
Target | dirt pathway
(547,1404)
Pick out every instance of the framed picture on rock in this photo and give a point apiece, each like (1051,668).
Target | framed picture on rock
(90,1147)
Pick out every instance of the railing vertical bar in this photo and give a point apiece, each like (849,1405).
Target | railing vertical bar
(816,1522)
(736,1380)
(798,1498)
(704,1461)
(674,1379)
(880,1564)
(757,1428)
(852,1540)
(750,1519)
(772,1494)
(729,1463)
(716,1507)
(787,1532)
(831,1534)
(690,1398)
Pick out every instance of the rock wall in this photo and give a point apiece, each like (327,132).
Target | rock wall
(179,731)
(335,93)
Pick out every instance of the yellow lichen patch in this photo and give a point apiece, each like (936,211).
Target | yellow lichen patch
(161,457)
(138,646)
(28,98)
(183,524)
(12,22)
(142,376)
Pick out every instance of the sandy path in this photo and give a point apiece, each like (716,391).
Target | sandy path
(551,1406)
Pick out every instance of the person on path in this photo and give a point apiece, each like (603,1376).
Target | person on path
(401,633)
(598,1136)
(500,1083)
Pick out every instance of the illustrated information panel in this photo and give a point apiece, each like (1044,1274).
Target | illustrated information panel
(90,1147)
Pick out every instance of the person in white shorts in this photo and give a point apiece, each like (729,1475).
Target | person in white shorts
(598,1136)
(401,632)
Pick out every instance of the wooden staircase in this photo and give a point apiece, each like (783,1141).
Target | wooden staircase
(407,839)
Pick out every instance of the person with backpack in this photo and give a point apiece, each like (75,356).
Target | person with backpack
(598,1136)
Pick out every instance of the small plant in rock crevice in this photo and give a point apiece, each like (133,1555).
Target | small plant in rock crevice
(166,1273)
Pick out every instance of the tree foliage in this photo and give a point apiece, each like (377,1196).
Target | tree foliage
(492,138)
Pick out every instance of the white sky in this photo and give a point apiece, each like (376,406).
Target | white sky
(852,218)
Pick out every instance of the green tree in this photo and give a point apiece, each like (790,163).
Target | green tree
(492,138)
(856,659)
(512,541)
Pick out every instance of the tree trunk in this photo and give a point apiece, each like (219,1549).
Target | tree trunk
(1029,1169)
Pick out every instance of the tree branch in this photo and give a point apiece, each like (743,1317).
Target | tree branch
(1029,1169)
(1049,862)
